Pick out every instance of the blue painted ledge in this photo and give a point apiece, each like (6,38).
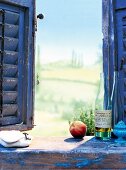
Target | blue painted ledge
(64,153)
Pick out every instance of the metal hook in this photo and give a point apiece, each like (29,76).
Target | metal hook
(40,16)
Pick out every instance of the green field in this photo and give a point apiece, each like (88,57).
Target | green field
(61,92)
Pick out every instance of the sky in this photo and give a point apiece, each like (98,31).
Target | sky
(69,25)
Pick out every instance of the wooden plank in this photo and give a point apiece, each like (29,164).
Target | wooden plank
(10,97)
(112,51)
(65,153)
(9,84)
(30,65)
(106,55)
(20,127)
(120,4)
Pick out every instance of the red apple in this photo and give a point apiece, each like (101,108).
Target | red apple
(78,129)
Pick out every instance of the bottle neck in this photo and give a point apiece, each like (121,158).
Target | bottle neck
(102,102)
(99,102)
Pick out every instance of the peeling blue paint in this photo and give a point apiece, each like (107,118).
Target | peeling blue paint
(82,164)
(65,165)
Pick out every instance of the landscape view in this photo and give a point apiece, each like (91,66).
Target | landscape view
(68,64)
(62,89)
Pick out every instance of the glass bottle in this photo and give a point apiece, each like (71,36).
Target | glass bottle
(103,117)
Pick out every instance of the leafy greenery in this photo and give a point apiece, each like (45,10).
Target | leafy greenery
(87,117)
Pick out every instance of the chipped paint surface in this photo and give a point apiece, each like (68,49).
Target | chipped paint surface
(71,154)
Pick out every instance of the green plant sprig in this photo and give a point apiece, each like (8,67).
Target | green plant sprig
(87,117)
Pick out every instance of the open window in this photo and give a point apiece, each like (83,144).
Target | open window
(16,64)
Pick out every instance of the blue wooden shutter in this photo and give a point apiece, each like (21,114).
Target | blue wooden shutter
(16,64)
(121,53)
(114,54)
(120,24)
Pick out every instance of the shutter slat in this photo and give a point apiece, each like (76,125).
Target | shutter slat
(10,120)
(9,97)
(9,109)
(10,30)
(10,57)
(124,23)
(10,70)
(10,44)
(10,18)
(10,84)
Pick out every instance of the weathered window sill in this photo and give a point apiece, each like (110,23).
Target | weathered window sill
(64,153)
